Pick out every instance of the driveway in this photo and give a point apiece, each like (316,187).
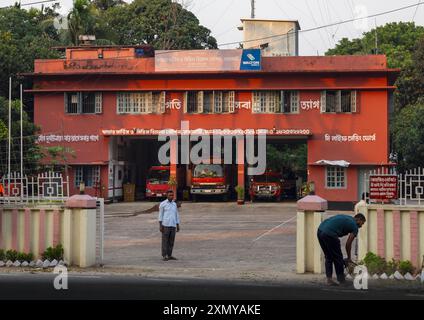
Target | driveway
(216,240)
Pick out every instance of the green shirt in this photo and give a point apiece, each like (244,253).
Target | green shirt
(339,226)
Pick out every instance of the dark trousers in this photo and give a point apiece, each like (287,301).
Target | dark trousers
(168,238)
(333,255)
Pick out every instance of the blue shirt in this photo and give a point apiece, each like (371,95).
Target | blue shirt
(339,226)
(168,213)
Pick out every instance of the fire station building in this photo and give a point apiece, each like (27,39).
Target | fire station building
(108,104)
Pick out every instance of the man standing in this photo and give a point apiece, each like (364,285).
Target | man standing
(329,232)
(169,223)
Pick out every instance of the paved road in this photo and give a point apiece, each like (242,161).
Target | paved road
(85,286)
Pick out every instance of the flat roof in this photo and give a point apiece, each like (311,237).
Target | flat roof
(114,46)
(272,20)
(137,66)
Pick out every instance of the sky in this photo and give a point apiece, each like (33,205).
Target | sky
(223,16)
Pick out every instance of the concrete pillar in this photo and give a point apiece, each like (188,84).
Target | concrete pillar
(240,162)
(67,235)
(173,164)
(361,207)
(80,235)
(310,213)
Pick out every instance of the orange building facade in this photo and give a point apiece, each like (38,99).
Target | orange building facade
(100,101)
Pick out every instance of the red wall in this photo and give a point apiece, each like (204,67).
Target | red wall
(371,118)
(349,193)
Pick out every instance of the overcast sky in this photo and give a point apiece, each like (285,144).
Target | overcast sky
(223,17)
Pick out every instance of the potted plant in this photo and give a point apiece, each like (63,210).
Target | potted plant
(240,195)
(172,183)
(308,188)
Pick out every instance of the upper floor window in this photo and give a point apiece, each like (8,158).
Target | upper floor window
(140,102)
(83,102)
(290,101)
(338,101)
(275,101)
(209,101)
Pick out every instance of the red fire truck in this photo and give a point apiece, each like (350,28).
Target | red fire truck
(266,186)
(209,180)
(157,182)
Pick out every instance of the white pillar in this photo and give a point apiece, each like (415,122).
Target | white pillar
(82,239)
(310,214)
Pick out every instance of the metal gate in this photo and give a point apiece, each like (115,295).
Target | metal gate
(410,185)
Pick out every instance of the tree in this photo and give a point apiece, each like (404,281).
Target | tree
(408,135)
(410,84)
(3,131)
(161,23)
(22,39)
(107,4)
(59,157)
(31,151)
(24,36)
(82,20)
(396,40)
(291,157)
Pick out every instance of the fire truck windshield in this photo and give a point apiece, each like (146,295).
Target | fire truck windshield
(208,171)
(158,176)
(266,178)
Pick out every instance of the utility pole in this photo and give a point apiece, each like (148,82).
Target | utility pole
(10,133)
(376,37)
(252,12)
(22,142)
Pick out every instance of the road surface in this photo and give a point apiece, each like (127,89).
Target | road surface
(106,286)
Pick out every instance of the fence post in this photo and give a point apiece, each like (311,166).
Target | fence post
(310,213)
(361,207)
(82,235)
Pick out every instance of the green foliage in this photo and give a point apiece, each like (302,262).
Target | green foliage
(408,135)
(161,23)
(83,19)
(374,263)
(3,130)
(32,152)
(14,255)
(378,265)
(240,192)
(59,157)
(24,36)
(172,182)
(406,266)
(397,40)
(391,266)
(106,4)
(293,157)
(11,255)
(21,257)
(307,188)
(410,84)
(53,253)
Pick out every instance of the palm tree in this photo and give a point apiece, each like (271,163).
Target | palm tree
(106,4)
(81,20)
